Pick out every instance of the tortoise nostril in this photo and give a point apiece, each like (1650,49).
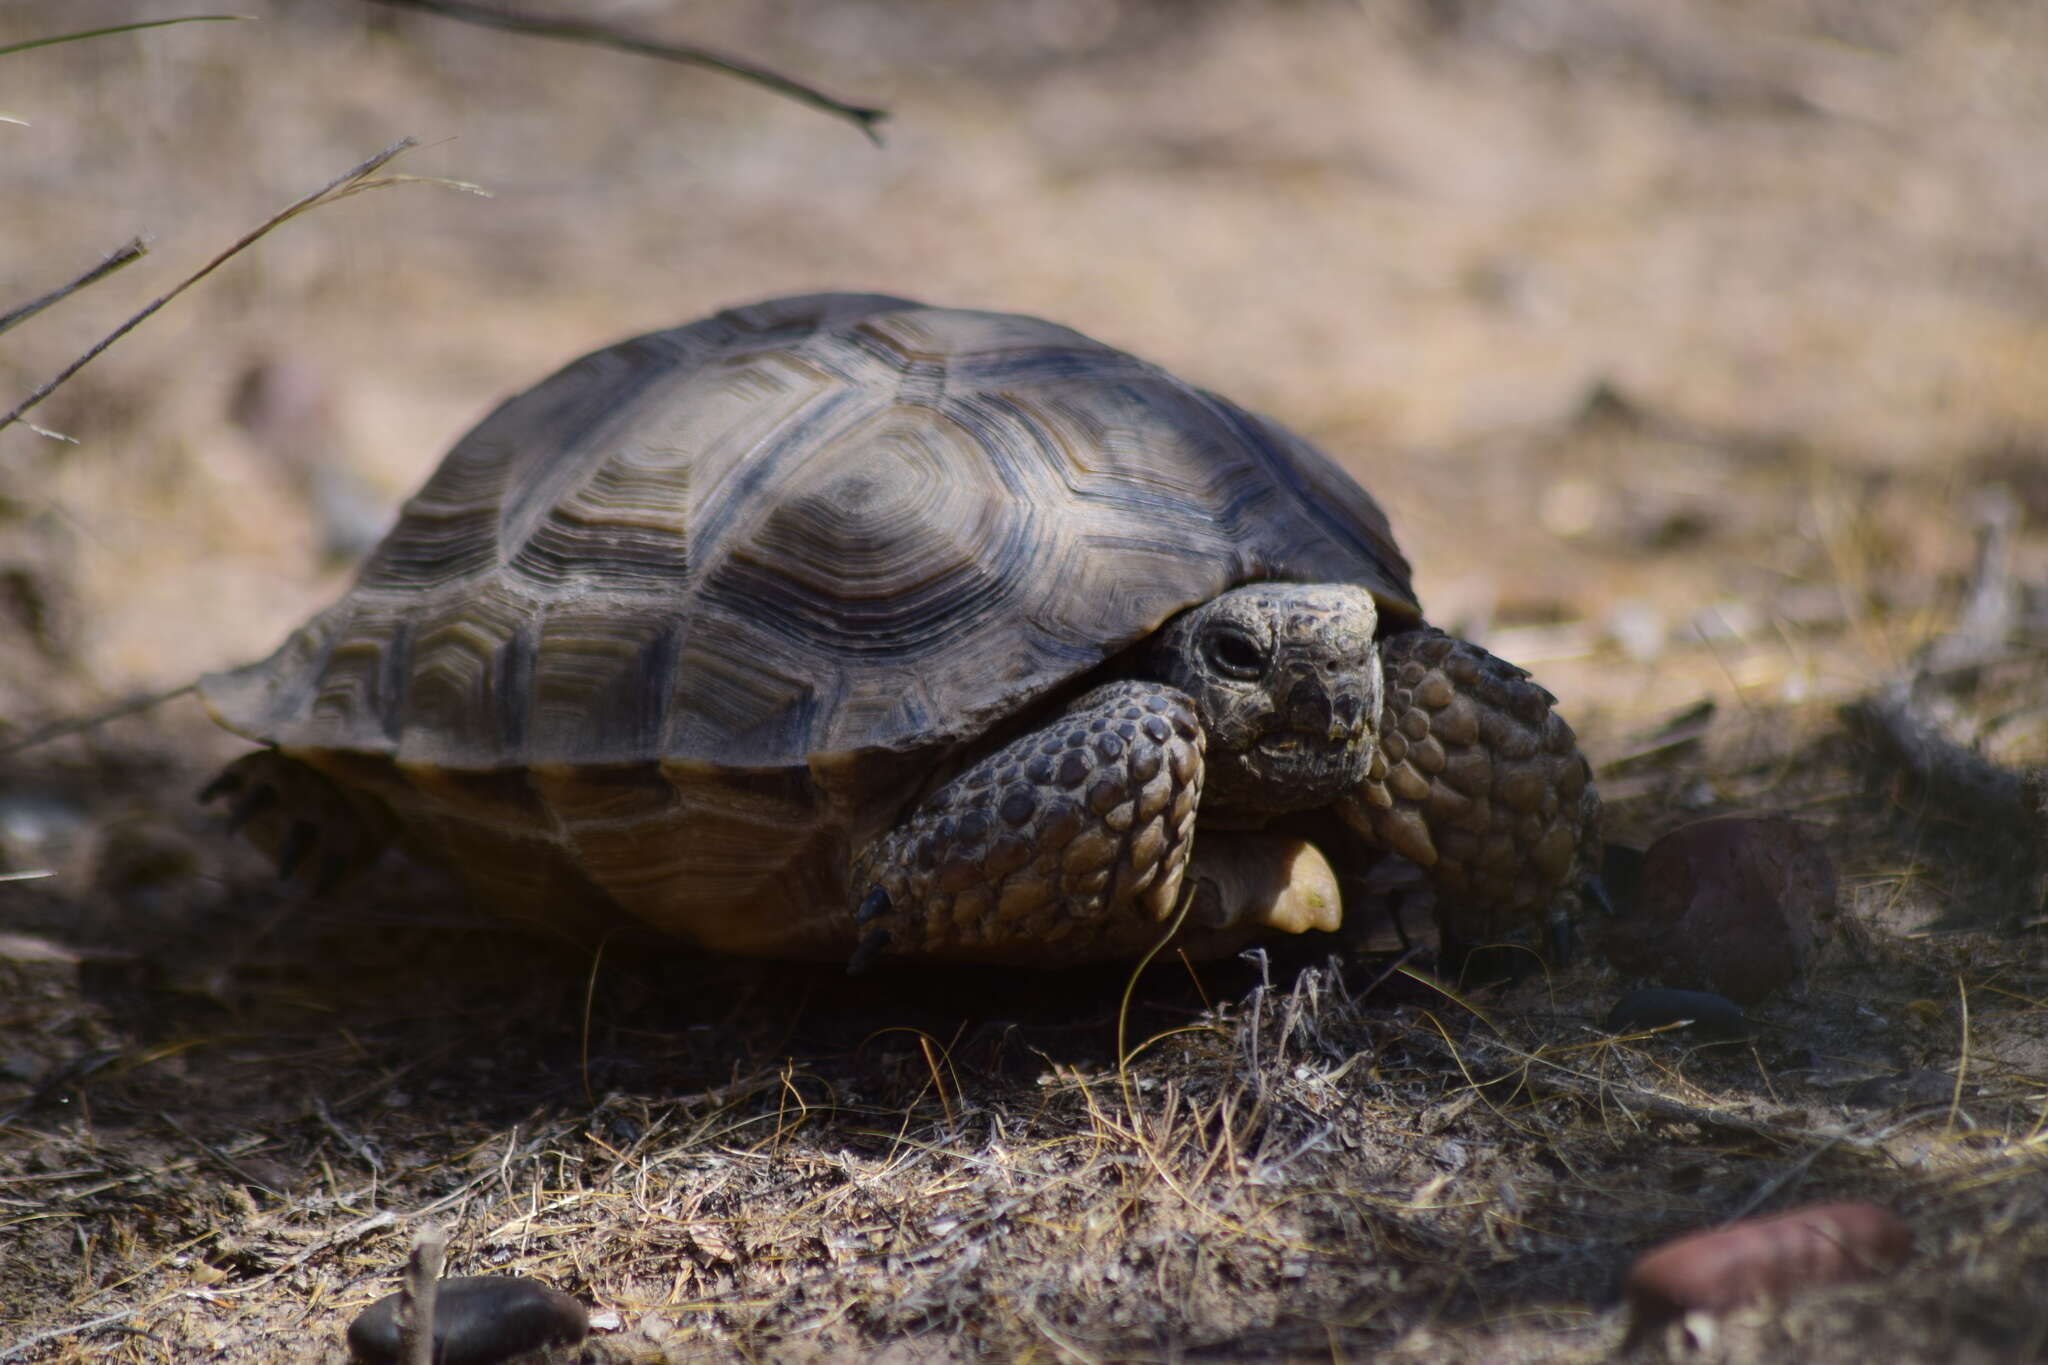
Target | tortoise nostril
(1308,707)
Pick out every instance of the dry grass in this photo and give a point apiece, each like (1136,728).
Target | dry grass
(1684,345)
(793,1168)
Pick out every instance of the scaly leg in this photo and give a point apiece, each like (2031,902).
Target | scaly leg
(1480,781)
(1069,843)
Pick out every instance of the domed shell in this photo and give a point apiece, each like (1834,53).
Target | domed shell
(795,534)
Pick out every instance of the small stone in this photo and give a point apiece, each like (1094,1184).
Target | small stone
(1726,905)
(478,1320)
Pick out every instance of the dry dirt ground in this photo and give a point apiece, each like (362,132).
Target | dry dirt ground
(1696,348)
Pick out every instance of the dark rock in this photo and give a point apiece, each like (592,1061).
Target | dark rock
(1726,905)
(1703,1015)
(478,1320)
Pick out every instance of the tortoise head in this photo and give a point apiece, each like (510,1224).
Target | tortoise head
(1286,677)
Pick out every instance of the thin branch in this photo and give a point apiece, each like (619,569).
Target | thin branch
(342,186)
(1969,783)
(580,31)
(134,250)
(27,1344)
(417,1294)
(122,28)
(80,724)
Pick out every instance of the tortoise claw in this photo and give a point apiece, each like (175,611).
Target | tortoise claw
(251,806)
(872,907)
(870,948)
(1561,939)
(333,872)
(297,843)
(225,783)
(300,818)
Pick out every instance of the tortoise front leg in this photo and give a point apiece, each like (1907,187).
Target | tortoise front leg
(1480,781)
(301,819)
(1069,842)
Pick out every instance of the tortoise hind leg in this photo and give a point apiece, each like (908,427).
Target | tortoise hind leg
(1479,781)
(1070,843)
(300,818)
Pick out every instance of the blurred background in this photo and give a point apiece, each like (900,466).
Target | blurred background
(1677,337)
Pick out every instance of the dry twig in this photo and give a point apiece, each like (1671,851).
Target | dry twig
(119,28)
(349,182)
(1895,722)
(862,117)
(78,725)
(132,250)
(417,1294)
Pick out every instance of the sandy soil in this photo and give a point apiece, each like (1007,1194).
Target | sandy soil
(1691,346)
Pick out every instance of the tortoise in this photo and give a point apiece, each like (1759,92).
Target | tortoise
(843,627)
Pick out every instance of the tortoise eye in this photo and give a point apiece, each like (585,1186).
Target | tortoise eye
(1235,654)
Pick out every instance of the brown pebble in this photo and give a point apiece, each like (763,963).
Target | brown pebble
(1726,905)
(1762,1259)
(478,1320)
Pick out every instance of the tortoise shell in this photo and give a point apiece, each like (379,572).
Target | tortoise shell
(682,624)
